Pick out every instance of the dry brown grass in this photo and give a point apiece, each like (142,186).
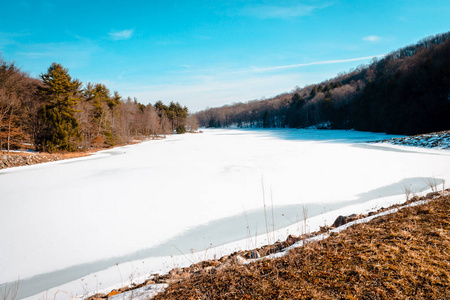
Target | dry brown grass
(405,255)
(7,158)
(68,155)
(63,155)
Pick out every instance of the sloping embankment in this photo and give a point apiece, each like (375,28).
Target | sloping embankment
(404,255)
(17,159)
(399,252)
(435,140)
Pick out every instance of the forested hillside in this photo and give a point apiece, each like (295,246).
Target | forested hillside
(406,92)
(57,113)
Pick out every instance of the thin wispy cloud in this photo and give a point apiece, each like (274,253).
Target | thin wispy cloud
(217,86)
(72,55)
(121,74)
(280,12)
(214,90)
(372,38)
(121,35)
(59,50)
(7,38)
(326,62)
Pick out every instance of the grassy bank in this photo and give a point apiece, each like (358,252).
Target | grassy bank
(21,158)
(404,255)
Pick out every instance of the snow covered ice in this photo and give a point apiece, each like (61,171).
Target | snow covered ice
(64,225)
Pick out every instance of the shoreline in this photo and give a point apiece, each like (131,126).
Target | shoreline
(21,158)
(434,140)
(152,284)
(400,255)
(157,283)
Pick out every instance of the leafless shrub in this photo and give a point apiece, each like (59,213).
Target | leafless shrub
(46,297)
(120,274)
(265,210)
(9,291)
(273,218)
(407,191)
(432,183)
(305,217)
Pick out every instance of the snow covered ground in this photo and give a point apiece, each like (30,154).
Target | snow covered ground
(84,225)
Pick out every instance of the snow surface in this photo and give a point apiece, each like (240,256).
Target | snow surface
(88,224)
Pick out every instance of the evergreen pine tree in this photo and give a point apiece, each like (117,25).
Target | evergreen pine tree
(161,108)
(177,115)
(313,92)
(60,127)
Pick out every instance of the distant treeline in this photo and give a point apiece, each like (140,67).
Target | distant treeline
(406,92)
(56,113)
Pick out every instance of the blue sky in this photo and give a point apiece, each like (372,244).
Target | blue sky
(210,53)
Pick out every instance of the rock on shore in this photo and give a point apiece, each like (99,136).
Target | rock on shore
(436,140)
(15,159)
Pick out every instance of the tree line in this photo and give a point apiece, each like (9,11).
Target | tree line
(57,113)
(405,92)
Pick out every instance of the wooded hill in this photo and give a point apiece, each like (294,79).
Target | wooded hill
(56,113)
(405,92)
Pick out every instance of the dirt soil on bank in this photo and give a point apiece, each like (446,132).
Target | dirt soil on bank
(405,255)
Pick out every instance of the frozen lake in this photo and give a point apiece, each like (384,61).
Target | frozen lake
(156,205)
